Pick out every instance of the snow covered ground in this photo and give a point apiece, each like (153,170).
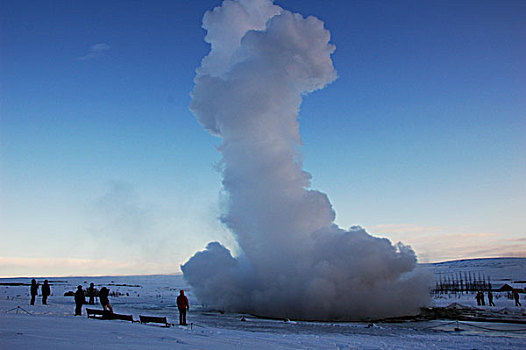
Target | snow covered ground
(498,271)
(54,327)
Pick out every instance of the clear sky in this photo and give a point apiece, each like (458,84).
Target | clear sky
(104,170)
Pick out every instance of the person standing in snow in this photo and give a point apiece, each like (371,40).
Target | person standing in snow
(516,297)
(490,299)
(80,300)
(46,291)
(478,298)
(482,298)
(104,301)
(91,293)
(183,306)
(34,290)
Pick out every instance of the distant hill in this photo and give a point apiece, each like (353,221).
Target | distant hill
(498,270)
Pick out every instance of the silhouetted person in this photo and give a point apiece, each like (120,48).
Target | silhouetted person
(516,297)
(490,299)
(104,301)
(478,299)
(91,293)
(80,299)
(34,291)
(182,305)
(46,291)
(482,298)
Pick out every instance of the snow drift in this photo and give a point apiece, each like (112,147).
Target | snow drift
(294,261)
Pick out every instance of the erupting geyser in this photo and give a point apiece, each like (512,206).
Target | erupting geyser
(295,262)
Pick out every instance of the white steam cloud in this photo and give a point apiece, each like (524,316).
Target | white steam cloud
(295,262)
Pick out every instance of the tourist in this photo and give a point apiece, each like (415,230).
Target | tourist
(516,297)
(91,294)
(490,299)
(34,291)
(104,301)
(80,300)
(46,291)
(183,306)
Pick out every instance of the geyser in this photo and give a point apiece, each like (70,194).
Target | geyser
(294,261)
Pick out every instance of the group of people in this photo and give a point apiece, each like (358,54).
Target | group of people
(80,298)
(103,294)
(182,301)
(46,291)
(481,301)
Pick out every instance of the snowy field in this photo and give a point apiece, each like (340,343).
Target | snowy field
(53,326)
(499,271)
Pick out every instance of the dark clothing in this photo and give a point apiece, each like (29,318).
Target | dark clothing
(182,316)
(79,297)
(91,294)
(46,291)
(34,291)
(490,299)
(80,300)
(34,288)
(103,296)
(480,298)
(78,309)
(516,297)
(104,301)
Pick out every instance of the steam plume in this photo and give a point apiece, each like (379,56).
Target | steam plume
(295,262)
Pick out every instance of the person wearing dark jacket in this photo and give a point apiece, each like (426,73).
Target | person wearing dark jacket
(80,299)
(516,297)
(34,291)
(104,301)
(490,298)
(182,305)
(46,291)
(91,293)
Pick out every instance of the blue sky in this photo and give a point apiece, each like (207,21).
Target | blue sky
(104,170)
